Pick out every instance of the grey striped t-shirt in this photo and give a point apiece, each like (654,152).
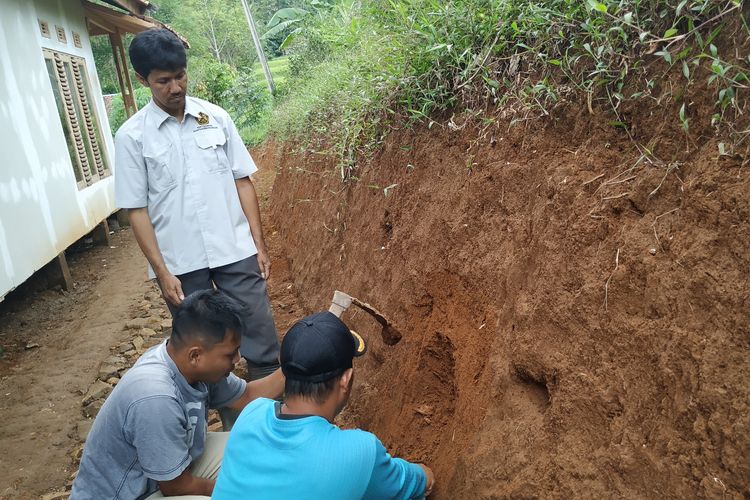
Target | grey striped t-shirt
(150,429)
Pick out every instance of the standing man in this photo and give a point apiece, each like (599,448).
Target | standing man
(294,450)
(183,173)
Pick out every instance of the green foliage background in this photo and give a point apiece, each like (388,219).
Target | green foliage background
(356,67)
(222,62)
(368,64)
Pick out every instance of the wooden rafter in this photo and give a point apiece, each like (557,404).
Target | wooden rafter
(134,6)
(104,21)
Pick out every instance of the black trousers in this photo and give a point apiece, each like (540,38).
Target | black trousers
(243,282)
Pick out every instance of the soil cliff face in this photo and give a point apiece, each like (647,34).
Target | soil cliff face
(576,322)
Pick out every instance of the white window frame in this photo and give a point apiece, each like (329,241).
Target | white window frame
(80,120)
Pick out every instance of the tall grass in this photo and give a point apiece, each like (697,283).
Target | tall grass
(371,62)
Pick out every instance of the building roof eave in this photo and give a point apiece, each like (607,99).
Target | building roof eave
(139,7)
(103,20)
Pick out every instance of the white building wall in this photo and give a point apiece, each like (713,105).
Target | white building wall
(42,211)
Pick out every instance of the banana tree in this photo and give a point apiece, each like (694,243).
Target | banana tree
(291,18)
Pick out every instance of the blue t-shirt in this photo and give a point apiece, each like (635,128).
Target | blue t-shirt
(149,429)
(271,456)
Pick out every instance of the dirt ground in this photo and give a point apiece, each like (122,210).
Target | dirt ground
(69,334)
(55,345)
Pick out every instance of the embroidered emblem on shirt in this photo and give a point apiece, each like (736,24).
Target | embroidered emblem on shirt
(202,118)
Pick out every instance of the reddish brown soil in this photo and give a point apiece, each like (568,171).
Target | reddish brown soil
(567,332)
(514,378)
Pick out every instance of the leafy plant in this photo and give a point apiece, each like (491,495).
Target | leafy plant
(367,64)
(290,20)
(117,109)
(218,79)
(246,100)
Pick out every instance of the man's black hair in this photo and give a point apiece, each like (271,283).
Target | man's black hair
(157,48)
(314,391)
(206,316)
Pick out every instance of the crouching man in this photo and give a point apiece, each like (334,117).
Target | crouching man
(293,450)
(150,438)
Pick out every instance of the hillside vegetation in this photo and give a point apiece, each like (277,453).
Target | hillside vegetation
(222,60)
(360,67)
(550,200)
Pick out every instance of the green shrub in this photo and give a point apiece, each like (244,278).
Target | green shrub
(217,79)
(117,109)
(246,100)
(369,62)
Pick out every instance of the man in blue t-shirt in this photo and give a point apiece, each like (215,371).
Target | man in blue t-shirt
(293,450)
(149,440)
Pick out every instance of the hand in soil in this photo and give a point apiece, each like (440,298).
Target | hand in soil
(430,479)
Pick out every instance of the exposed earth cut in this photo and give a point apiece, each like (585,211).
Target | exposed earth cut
(574,315)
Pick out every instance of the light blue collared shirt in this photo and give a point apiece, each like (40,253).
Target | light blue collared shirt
(184,174)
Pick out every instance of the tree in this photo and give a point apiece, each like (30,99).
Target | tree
(288,21)
(216,30)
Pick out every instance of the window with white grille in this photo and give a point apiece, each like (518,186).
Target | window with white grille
(70,84)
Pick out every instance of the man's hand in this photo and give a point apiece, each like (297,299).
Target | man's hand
(187,484)
(249,202)
(271,386)
(430,479)
(264,262)
(171,288)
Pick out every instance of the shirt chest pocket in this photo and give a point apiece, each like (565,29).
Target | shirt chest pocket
(212,157)
(160,177)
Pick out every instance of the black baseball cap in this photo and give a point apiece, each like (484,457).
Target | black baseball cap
(319,347)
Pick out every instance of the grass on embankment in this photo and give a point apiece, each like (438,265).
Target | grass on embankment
(362,66)
(279,68)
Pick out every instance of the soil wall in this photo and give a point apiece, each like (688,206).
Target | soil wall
(576,323)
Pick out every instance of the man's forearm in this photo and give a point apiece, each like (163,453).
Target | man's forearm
(396,478)
(271,386)
(251,209)
(146,238)
(187,484)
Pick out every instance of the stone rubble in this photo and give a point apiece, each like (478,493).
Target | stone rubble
(138,343)
(97,390)
(150,324)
